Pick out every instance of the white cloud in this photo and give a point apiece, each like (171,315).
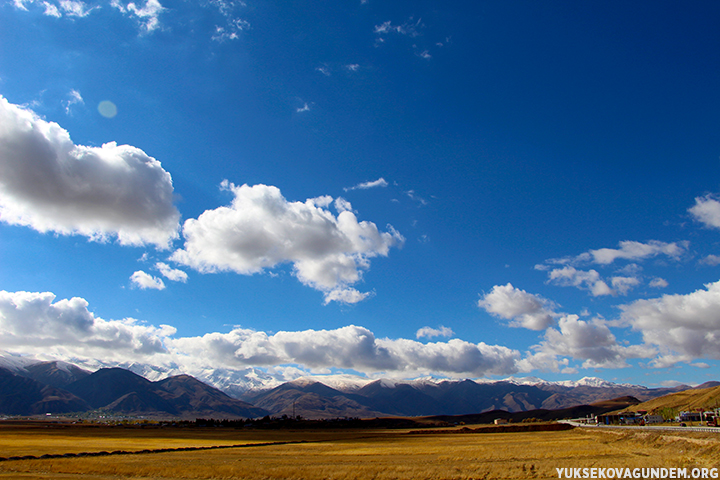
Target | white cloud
(75,98)
(261,230)
(37,324)
(349,347)
(171,273)
(622,285)
(414,196)
(231,31)
(75,8)
(144,280)
(658,282)
(706,210)
(629,250)
(712,260)
(409,28)
(681,326)
(430,332)
(70,8)
(49,184)
(380,182)
(586,280)
(591,341)
(148,15)
(20,4)
(345,295)
(51,10)
(353,67)
(523,309)
(304,108)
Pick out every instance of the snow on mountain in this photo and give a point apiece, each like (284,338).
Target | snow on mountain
(592,382)
(16,363)
(239,382)
(342,382)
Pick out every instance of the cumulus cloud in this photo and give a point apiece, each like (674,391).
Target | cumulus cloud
(50,184)
(149,15)
(380,182)
(591,341)
(521,308)
(146,281)
(430,332)
(261,229)
(350,347)
(37,324)
(587,280)
(171,273)
(622,285)
(707,211)
(680,326)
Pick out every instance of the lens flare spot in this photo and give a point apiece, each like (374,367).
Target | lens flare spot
(107,109)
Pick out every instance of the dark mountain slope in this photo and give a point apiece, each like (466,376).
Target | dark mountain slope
(24,396)
(104,387)
(189,395)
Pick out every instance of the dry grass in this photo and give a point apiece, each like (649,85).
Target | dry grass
(687,400)
(352,455)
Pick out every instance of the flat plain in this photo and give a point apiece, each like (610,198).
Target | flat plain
(337,454)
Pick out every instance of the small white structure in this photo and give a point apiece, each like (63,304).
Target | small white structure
(650,419)
(500,421)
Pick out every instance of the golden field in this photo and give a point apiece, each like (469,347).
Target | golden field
(339,454)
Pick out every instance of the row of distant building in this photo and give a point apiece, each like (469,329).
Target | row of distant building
(641,417)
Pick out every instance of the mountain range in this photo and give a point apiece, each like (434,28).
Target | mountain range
(113,391)
(34,387)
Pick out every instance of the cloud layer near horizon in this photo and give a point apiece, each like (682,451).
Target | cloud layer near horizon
(50,184)
(675,328)
(36,323)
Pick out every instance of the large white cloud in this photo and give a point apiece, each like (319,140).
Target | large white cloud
(261,229)
(523,309)
(680,326)
(350,347)
(50,184)
(36,323)
(590,341)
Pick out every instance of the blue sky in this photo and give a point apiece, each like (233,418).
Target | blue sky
(458,189)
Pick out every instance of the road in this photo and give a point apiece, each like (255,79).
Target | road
(654,427)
